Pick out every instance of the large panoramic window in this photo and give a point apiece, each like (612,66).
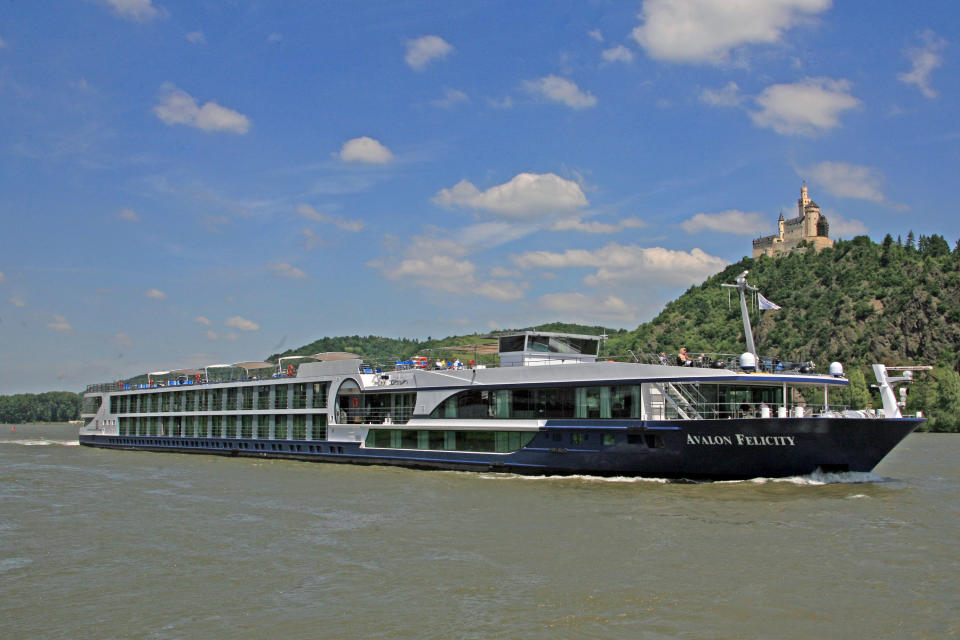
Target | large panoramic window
(622,401)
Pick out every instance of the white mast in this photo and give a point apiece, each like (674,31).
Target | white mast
(743,287)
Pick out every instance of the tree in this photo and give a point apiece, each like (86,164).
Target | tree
(910,240)
(948,400)
(857,395)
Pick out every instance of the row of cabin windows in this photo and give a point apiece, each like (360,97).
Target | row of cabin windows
(263,427)
(483,441)
(621,401)
(262,397)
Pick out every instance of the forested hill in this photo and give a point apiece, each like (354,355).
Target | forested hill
(859,302)
(381,349)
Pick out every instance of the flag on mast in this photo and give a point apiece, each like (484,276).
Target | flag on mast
(766,304)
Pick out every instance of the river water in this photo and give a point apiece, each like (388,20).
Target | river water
(110,544)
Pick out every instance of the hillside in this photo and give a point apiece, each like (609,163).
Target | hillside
(858,302)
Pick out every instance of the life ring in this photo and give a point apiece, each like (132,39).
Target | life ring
(290,370)
(355,402)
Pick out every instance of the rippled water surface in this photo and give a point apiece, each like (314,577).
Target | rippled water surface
(110,544)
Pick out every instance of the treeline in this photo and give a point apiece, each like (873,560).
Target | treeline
(380,349)
(53,406)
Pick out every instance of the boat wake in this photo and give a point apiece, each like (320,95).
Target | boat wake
(42,443)
(815,479)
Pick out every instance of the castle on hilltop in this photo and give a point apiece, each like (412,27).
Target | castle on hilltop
(810,226)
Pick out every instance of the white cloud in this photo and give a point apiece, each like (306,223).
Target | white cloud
(121,341)
(451,276)
(502,290)
(179,107)
(196,37)
(212,335)
(451,98)
(365,149)
(587,308)
(728,96)
(17,302)
(60,324)
(505,103)
(704,31)
(422,51)
(807,108)
(155,294)
(848,181)
(577,224)
(286,270)
(730,221)
(618,53)
(306,211)
(242,324)
(561,90)
(203,320)
(129,215)
(616,263)
(527,195)
(841,227)
(925,58)
(596,34)
(138,10)
(2,277)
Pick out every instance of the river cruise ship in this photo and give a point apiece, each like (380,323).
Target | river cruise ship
(552,406)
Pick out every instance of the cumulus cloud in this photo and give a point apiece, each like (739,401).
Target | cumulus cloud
(449,275)
(308,212)
(121,341)
(196,37)
(616,264)
(179,107)
(592,226)
(527,195)
(561,90)
(728,96)
(242,324)
(584,307)
(129,215)
(286,270)
(60,325)
(809,107)
(924,58)
(596,34)
(155,294)
(618,53)
(841,227)
(451,98)
(422,51)
(137,10)
(203,320)
(730,221)
(365,149)
(848,181)
(705,31)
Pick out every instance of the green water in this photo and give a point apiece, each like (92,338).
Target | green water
(111,544)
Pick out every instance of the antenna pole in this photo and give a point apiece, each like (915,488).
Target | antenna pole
(743,287)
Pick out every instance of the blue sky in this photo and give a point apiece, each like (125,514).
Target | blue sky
(187,183)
